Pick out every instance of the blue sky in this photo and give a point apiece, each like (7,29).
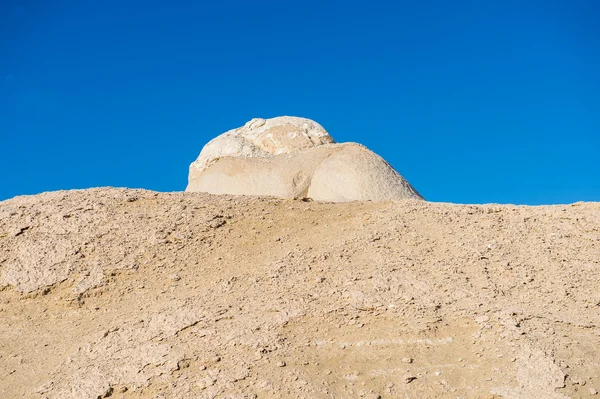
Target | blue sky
(471,101)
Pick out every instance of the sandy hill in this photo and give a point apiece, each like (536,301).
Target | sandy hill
(136,294)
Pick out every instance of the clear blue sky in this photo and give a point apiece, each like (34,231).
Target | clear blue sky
(472,101)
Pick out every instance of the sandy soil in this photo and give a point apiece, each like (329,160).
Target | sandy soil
(135,294)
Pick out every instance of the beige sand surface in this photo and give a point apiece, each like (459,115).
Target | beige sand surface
(136,294)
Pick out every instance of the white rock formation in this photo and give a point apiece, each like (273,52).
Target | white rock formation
(290,157)
(262,138)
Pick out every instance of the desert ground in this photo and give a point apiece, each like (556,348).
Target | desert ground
(136,294)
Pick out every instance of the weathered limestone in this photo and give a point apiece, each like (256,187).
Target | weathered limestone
(291,157)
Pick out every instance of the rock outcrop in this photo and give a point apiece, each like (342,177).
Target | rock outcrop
(291,157)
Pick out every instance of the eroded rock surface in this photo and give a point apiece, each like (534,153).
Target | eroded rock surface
(135,294)
(260,138)
(293,158)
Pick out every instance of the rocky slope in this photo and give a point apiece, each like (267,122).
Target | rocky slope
(136,294)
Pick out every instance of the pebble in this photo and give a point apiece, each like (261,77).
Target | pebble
(206,382)
(409,378)
(407,359)
(281,364)
(593,391)
(578,381)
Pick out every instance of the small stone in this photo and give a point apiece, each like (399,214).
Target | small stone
(281,364)
(183,364)
(593,391)
(206,382)
(352,376)
(407,360)
(578,381)
(563,365)
(409,378)
(174,277)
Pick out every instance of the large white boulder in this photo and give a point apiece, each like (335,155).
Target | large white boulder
(262,138)
(291,157)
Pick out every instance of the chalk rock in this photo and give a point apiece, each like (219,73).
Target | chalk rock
(291,157)
(262,138)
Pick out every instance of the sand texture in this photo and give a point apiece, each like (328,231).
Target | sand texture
(135,294)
